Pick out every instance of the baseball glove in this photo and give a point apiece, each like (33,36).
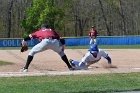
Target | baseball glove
(23,47)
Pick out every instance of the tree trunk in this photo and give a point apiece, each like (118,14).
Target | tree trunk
(75,25)
(123,18)
(9,17)
(82,24)
(105,19)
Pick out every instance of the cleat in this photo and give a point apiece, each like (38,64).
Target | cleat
(24,70)
(71,69)
(72,63)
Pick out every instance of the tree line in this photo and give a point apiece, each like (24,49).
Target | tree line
(70,17)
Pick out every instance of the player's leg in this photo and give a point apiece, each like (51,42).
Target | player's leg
(36,49)
(57,47)
(78,65)
(82,65)
(74,63)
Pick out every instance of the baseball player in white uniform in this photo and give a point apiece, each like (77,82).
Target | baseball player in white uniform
(92,56)
(49,39)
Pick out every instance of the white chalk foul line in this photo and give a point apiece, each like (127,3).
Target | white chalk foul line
(20,74)
(38,73)
(137,68)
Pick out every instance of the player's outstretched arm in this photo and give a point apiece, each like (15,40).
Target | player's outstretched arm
(109,60)
(110,63)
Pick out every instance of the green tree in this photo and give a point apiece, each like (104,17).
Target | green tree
(42,11)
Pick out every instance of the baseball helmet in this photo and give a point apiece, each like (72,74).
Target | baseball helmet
(93,48)
(44,26)
(92,26)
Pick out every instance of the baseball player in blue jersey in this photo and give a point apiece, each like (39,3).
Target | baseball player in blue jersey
(92,56)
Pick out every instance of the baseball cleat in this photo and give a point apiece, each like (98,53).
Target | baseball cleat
(73,65)
(71,69)
(24,70)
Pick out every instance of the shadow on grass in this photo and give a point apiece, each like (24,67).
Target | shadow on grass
(5,63)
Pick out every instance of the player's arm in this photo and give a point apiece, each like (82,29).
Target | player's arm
(106,56)
(110,63)
(108,59)
(25,39)
(33,35)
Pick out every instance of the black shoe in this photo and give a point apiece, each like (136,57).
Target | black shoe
(71,69)
(73,65)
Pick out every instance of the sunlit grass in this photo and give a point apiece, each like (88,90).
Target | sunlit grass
(85,47)
(100,83)
(5,63)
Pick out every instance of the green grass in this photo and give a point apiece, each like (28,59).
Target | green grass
(100,83)
(5,63)
(85,47)
(107,47)
(10,48)
(120,46)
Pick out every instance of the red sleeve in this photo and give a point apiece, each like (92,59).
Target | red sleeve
(96,32)
(33,35)
(90,32)
(93,33)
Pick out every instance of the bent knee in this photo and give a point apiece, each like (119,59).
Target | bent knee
(32,53)
(61,53)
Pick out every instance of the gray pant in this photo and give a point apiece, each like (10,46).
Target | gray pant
(45,44)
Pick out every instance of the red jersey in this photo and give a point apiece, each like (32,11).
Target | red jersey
(44,33)
(93,32)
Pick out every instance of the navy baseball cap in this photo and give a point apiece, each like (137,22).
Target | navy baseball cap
(93,48)
(44,26)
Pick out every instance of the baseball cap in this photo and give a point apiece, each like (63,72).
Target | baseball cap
(92,26)
(44,26)
(93,48)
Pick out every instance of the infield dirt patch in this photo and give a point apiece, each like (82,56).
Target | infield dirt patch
(49,62)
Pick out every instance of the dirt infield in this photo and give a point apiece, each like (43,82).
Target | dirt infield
(49,63)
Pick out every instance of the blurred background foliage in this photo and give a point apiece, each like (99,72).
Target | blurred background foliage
(18,18)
